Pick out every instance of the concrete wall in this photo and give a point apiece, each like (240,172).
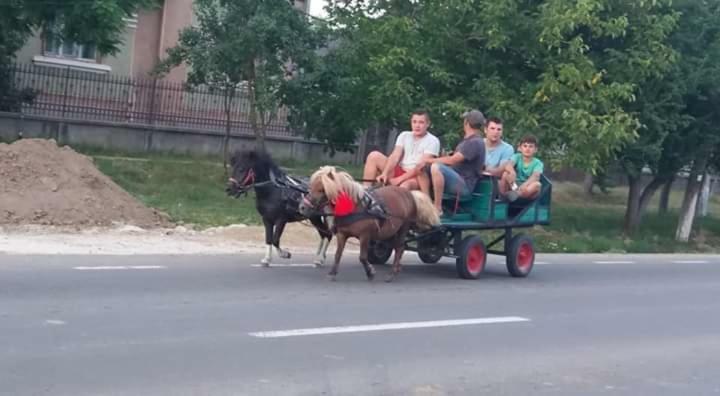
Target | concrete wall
(139,139)
(33,46)
(121,62)
(147,42)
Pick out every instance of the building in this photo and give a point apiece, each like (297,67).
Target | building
(147,38)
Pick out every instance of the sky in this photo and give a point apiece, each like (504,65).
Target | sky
(316,8)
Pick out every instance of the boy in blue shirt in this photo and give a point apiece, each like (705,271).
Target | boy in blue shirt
(521,178)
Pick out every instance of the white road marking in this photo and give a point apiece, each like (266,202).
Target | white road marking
(613,262)
(542,262)
(148,267)
(55,322)
(386,326)
(284,265)
(119,267)
(690,262)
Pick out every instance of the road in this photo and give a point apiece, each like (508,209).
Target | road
(217,325)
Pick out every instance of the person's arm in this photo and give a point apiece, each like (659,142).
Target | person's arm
(505,157)
(510,166)
(429,154)
(535,177)
(450,160)
(392,162)
(537,171)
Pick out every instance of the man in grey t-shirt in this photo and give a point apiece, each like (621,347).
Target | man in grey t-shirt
(458,173)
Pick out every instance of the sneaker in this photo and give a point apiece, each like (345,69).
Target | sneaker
(512,196)
(514,187)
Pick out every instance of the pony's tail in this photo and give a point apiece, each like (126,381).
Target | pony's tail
(426,215)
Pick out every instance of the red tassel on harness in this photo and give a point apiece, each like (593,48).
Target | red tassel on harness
(344,205)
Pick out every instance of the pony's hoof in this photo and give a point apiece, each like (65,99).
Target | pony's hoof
(370,277)
(318,263)
(265,262)
(390,278)
(332,278)
(284,254)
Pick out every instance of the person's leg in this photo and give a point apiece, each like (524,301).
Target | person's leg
(447,181)
(529,189)
(423,181)
(454,183)
(410,184)
(438,183)
(506,182)
(374,165)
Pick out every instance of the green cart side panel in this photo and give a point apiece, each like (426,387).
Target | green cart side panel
(484,186)
(501,211)
(457,218)
(480,207)
(528,216)
(543,213)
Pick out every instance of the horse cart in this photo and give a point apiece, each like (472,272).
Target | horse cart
(457,235)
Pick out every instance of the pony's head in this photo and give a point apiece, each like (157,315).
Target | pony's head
(326,185)
(248,167)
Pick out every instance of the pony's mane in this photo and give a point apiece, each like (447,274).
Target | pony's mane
(334,181)
(258,158)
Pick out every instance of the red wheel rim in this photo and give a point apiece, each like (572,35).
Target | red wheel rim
(525,256)
(475,259)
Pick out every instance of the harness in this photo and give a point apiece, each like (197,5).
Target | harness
(291,188)
(371,208)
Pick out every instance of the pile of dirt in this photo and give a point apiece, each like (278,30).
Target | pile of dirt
(41,183)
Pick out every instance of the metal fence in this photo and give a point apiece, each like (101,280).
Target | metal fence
(67,93)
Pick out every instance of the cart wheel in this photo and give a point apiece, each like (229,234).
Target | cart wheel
(471,261)
(429,256)
(379,252)
(431,249)
(520,256)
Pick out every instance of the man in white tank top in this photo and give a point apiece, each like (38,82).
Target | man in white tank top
(405,164)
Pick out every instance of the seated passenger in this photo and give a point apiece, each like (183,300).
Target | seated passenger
(497,151)
(521,178)
(457,174)
(405,164)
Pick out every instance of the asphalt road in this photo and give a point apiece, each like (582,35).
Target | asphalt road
(216,325)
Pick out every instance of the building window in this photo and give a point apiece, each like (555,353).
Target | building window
(69,50)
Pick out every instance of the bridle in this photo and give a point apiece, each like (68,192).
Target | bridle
(318,205)
(247,183)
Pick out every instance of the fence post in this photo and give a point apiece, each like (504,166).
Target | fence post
(151,113)
(65,92)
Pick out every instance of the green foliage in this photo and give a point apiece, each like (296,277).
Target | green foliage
(245,45)
(561,69)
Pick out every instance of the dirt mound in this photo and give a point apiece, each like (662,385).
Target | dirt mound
(41,183)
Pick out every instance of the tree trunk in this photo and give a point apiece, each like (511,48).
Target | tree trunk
(665,196)
(259,135)
(632,212)
(588,183)
(687,211)
(229,94)
(647,194)
(704,197)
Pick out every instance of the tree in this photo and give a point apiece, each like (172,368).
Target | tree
(561,69)
(97,22)
(245,46)
(698,41)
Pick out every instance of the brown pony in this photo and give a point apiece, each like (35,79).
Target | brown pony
(402,210)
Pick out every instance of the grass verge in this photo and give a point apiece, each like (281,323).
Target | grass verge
(191,191)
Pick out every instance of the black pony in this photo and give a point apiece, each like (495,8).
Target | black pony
(277,197)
